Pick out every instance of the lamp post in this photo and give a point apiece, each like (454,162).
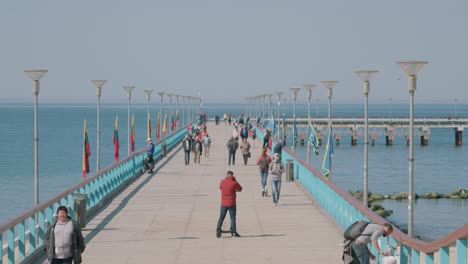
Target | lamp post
(279,93)
(189,113)
(148,97)
(455,101)
(269,104)
(35,76)
(161,96)
(411,68)
(294,90)
(330,85)
(98,84)
(308,87)
(129,90)
(366,76)
(170,110)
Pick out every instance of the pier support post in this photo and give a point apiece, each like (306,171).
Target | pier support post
(373,137)
(354,139)
(320,138)
(458,136)
(425,136)
(337,139)
(407,140)
(389,140)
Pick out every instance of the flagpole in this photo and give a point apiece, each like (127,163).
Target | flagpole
(161,95)
(279,93)
(309,88)
(129,90)
(330,85)
(148,96)
(177,111)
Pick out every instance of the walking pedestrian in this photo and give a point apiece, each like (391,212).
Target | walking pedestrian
(266,138)
(197,151)
(228,186)
(232,146)
(187,146)
(206,145)
(63,240)
(263,162)
(276,170)
(245,149)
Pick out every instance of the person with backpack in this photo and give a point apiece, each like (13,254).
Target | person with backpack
(360,234)
(244,133)
(263,163)
(232,146)
(276,170)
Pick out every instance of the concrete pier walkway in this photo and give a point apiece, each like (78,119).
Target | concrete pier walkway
(170,217)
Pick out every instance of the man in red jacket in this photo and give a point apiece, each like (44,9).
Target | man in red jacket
(228,186)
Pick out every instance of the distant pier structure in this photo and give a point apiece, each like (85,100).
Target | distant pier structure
(388,127)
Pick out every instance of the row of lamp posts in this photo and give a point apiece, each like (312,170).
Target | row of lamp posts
(36,75)
(411,69)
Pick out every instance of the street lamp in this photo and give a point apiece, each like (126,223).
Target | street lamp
(98,84)
(269,104)
(279,93)
(411,68)
(148,125)
(330,85)
(294,90)
(129,89)
(35,76)
(170,110)
(366,76)
(309,87)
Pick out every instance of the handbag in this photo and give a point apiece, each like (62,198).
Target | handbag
(248,155)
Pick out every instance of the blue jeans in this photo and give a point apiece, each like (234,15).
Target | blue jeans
(264,176)
(275,190)
(232,156)
(187,157)
(362,252)
(222,215)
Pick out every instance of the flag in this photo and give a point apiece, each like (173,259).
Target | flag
(172,121)
(132,135)
(328,155)
(312,138)
(116,139)
(158,126)
(149,126)
(164,127)
(284,127)
(86,151)
(295,137)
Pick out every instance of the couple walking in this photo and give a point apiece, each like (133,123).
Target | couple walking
(276,168)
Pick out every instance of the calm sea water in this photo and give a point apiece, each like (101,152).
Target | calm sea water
(439,167)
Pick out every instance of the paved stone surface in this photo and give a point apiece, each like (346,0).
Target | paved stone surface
(170,217)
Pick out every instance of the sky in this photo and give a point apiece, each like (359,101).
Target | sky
(226,51)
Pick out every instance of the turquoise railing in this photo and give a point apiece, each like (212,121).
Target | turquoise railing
(22,237)
(345,209)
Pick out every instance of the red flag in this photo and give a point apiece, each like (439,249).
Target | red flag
(116,139)
(86,152)
(158,125)
(164,128)
(132,135)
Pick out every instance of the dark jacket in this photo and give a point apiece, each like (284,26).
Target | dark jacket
(232,145)
(229,186)
(78,245)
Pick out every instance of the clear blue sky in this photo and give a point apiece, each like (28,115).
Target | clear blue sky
(229,50)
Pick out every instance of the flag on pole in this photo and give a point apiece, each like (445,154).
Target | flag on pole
(132,135)
(116,139)
(172,121)
(158,126)
(284,127)
(295,135)
(328,154)
(313,140)
(164,127)
(86,151)
(177,118)
(149,126)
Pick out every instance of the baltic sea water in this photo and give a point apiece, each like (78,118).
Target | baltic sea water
(440,166)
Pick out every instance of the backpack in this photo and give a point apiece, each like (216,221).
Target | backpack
(264,164)
(355,230)
(244,132)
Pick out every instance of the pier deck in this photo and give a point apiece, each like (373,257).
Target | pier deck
(170,217)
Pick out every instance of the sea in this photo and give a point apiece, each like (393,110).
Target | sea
(438,167)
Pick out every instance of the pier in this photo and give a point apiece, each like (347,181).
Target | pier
(170,216)
(383,127)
